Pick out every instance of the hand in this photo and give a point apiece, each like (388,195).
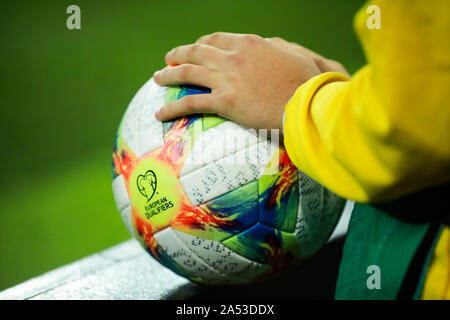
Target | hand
(251,78)
(324,64)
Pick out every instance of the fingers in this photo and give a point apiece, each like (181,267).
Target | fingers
(294,47)
(198,103)
(186,74)
(288,46)
(199,54)
(324,65)
(222,40)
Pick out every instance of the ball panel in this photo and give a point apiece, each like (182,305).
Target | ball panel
(240,205)
(141,94)
(180,253)
(309,213)
(211,121)
(178,92)
(174,93)
(278,195)
(318,212)
(283,214)
(220,177)
(139,127)
(129,129)
(228,138)
(124,159)
(265,244)
(120,192)
(157,195)
(125,214)
(155,251)
(167,125)
(221,258)
(182,135)
(333,207)
(224,216)
(150,129)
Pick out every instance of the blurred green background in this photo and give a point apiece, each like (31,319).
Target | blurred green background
(63,93)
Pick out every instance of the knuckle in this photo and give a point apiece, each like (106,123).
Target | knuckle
(209,38)
(185,72)
(193,49)
(251,39)
(276,39)
(236,58)
(215,36)
(171,55)
(188,104)
(203,39)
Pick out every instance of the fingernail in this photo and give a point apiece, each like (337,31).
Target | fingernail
(157,114)
(156,73)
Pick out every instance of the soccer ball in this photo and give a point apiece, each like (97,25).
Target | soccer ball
(211,200)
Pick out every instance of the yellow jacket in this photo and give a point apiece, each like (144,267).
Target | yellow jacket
(385,132)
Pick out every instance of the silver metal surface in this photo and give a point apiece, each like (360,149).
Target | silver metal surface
(124,271)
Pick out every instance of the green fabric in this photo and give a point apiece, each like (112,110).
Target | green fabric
(375,238)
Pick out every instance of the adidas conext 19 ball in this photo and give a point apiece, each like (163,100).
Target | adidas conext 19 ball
(211,200)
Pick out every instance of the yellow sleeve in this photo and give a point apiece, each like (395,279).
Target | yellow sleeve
(386,131)
(437,282)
